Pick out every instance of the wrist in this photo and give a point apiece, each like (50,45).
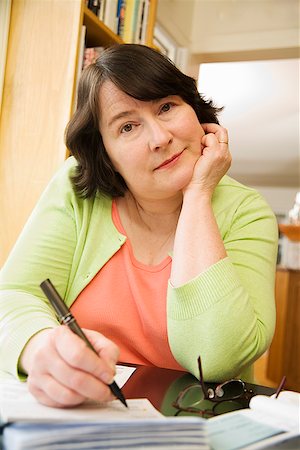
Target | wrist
(196,194)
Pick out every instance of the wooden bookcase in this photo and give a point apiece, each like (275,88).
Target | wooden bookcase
(37,99)
(284,353)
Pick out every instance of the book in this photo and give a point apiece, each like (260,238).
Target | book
(144,22)
(101,10)
(93,425)
(129,21)
(267,421)
(121,16)
(110,15)
(94,6)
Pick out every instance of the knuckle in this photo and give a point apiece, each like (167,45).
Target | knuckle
(33,389)
(69,398)
(116,351)
(104,394)
(77,353)
(76,381)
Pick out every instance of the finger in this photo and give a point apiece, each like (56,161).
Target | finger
(80,382)
(50,392)
(107,349)
(75,352)
(209,140)
(220,132)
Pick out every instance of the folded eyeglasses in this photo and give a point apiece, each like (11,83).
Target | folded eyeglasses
(230,395)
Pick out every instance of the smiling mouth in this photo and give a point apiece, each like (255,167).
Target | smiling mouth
(169,161)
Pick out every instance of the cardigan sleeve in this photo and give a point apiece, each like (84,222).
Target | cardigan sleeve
(227,313)
(43,250)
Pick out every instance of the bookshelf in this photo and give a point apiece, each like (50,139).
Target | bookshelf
(43,49)
(97,32)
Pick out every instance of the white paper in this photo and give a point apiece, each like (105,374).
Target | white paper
(17,404)
(123,373)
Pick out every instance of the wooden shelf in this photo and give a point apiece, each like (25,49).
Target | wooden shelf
(97,31)
(292,232)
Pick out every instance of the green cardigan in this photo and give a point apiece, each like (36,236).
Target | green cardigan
(226,314)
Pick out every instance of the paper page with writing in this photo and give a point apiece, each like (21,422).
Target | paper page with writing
(17,404)
(268,420)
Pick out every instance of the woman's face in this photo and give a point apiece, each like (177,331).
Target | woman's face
(154,145)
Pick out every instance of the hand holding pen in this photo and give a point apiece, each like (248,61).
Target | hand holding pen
(65,317)
(62,372)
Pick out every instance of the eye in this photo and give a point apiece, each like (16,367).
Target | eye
(127,128)
(166,107)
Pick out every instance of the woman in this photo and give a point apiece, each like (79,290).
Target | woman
(159,254)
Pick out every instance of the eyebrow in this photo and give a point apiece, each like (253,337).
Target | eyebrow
(124,114)
(120,115)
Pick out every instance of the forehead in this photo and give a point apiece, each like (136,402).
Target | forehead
(110,96)
(115,104)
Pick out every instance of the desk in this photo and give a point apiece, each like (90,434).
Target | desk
(161,387)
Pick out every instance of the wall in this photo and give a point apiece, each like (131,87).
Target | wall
(232,30)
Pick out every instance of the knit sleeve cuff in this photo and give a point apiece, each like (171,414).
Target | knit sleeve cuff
(199,294)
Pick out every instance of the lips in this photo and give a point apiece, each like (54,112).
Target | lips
(168,161)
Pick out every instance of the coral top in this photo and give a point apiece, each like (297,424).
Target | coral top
(126,301)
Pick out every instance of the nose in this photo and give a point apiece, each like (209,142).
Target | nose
(159,135)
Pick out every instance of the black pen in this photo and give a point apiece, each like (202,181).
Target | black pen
(65,316)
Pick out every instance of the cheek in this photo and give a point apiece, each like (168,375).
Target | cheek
(191,126)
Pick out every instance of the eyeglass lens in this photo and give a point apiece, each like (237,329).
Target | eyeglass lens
(229,390)
(191,397)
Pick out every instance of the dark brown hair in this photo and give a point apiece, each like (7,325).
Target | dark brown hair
(144,74)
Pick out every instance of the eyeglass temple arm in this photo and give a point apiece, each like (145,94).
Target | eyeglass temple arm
(280,387)
(201,378)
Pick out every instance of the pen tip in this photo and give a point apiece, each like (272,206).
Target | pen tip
(124,402)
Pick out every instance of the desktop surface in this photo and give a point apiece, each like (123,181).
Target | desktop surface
(162,386)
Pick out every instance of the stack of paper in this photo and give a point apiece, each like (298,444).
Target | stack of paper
(93,425)
(174,433)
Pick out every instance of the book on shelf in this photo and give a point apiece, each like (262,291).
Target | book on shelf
(128,21)
(144,22)
(94,6)
(121,16)
(110,15)
(101,11)
(127,18)
(139,7)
